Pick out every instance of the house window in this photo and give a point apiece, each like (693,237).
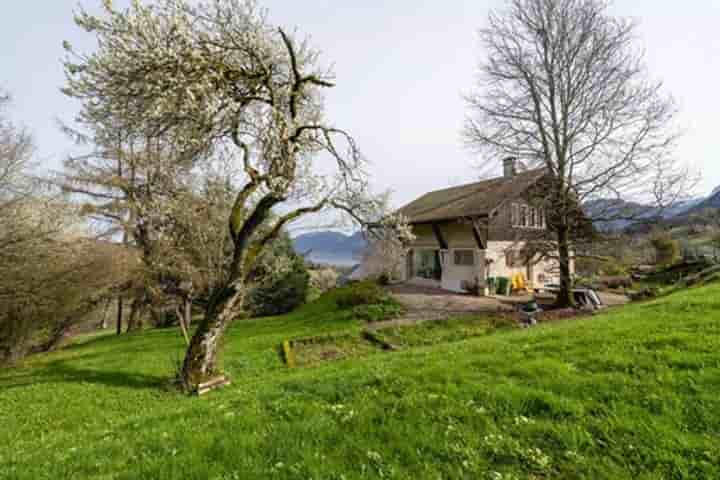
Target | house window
(464,258)
(525,216)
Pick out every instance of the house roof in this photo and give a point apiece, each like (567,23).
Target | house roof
(472,200)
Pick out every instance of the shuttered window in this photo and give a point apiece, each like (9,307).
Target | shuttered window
(525,216)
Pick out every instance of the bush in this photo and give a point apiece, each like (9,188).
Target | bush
(368,302)
(378,312)
(282,281)
(280,297)
(667,250)
(647,293)
(323,279)
(361,293)
(602,266)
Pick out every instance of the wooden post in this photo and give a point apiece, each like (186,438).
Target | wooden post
(213,384)
(288,354)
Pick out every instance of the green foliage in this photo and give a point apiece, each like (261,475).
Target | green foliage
(715,241)
(647,293)
(666,248)
(368,301)
(58,286)
(360,293)
(613,268)
(629,393)
(283,288)
(613,264)
(378,312)
(673,274)
(706,276)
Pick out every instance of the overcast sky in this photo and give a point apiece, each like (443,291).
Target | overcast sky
(401,65)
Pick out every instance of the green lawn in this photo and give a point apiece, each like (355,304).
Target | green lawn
(629,394)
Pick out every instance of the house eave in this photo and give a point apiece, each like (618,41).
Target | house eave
(447,219)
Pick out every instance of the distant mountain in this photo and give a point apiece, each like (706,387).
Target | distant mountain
(711,201)
(616,215)
(331,247)
(621,208)
(682,207)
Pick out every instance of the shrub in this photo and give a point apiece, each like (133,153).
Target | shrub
(667,250)
(378,312)
(323,279)
(613,268)
(361,293)
(280,297)
(647,293)
(384,279)
(603,266)
(282,281)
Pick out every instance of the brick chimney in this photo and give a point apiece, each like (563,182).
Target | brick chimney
(509,167)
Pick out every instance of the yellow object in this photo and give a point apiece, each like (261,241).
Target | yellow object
(289,354)
(519,282)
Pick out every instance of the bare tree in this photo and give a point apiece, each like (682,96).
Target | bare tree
(215,76)
(16,149)
(51,277)
(120,182)
(564,88)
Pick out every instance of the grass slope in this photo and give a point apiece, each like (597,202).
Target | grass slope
(630,394)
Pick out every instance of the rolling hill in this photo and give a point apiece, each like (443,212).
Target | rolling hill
(630,393)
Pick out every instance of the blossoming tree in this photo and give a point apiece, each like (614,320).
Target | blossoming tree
(216,78)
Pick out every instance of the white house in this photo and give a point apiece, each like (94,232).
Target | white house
(467,234)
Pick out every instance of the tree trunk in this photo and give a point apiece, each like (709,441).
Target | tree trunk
(119,315)
(565,297)
(200,362)
(56,336)
(134,312)
(103,322)
(188,312)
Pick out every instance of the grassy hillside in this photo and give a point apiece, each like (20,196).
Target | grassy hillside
(629,394)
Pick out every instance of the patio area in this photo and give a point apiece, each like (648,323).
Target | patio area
(428,303)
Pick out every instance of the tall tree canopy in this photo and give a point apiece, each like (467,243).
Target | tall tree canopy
(564,88)
(216,78)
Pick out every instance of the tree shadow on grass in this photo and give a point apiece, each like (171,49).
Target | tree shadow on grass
(62,372)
